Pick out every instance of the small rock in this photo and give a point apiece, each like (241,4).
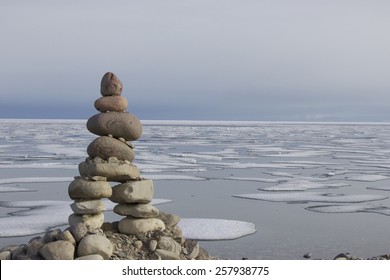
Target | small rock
(110,85)
(138,244)
(192,247)
(95,244)
(134,226)
(5,255)
(67,236)
(136,210)
(34,246)
(94,221)
(106,147)
(342,256)
(119,124)
(19,250)
(51,236)
(166,255)
(88,207)
(169,244)
(115,172)
(89,189)
(115,103)
(170,220)
(152,245)
(307,255)
(90,257)
(133,192)
(58,250)
(78,230)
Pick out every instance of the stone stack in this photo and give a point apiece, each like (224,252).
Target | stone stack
(110,160)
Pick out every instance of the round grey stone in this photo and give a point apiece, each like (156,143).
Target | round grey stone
(134,226)
(88,189)
(88,207)
(93,221)
(140,191)
(110,85)
(58,250)
(105,147)
(118,124)
(115,103)
(136,210)
(115,172)
(95,244)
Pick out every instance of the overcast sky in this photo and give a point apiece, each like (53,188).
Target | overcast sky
(305,60)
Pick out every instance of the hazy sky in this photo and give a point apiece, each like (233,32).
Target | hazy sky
(198,59)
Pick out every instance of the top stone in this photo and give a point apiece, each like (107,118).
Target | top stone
(110,85)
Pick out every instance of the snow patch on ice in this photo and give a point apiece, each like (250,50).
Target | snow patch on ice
(215,229)
(350,209)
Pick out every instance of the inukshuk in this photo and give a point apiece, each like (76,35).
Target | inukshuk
(110,160)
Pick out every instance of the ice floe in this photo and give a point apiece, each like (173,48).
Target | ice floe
(302,185)
(304,197)
(215,229)
(350,209)
(35,180)
(368,178)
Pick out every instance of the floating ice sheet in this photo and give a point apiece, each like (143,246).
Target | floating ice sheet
(252,179)
(369,178)
(35,180)
(304,197)
(302,185)
(14,189)
(350,209)
(215,229)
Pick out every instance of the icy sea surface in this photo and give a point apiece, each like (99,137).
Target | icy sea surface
(257,190)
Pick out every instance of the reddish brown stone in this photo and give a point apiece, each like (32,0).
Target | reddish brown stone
(118,124)
(110,85)
(114,103)
(105,147)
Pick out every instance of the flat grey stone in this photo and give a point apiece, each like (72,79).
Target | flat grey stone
(88,207)
(106,147)
(136,210)
(89,189)
(96,257)
(93,221)
(133,192)
(133,225)
(115,172)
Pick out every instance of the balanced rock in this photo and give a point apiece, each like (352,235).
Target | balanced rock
(130,225)
(88,207)
(136,210)
(110,85)
(118,124)
(115,103)
(133,192)
(95,244)
(105,147)
(57,250)
(88,189)
(115,172)
(94,221)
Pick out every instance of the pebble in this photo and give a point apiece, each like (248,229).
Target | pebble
(169,244)
(78,231)
(5,255)
(152,245)
(67,236)
(119,124)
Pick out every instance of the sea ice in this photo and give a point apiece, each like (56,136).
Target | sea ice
(252,179)
(35,180)
(304,197)
(350,209)
(369,178)
(302,185)
(215,229)
(14,189)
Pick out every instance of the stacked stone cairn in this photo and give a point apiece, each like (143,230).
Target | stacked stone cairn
(144,232)
(110,160)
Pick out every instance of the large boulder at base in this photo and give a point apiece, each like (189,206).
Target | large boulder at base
(88,207)
(134,226)
(105,147)
(136,210)
(111,103)
(118,124)
(93,221)
(110,85)
(57,250)
(115,172)
(133,192)
(87,189)
(95,244)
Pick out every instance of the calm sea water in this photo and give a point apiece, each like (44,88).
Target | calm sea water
(307,187)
